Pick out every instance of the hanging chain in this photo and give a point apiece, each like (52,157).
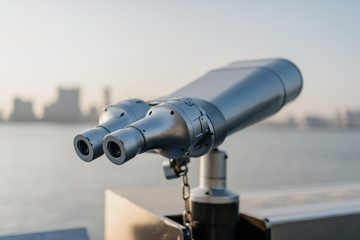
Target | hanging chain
(187,216)
(175,168)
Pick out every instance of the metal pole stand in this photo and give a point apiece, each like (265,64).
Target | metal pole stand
(214,208)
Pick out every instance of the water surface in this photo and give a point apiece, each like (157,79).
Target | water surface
(45,186)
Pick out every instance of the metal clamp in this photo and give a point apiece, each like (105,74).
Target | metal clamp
(175,168)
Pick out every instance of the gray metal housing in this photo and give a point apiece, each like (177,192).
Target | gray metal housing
(246,91)
(198,117)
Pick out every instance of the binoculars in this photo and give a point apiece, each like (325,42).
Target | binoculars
(196,118)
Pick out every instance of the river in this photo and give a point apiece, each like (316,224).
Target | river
(45,186)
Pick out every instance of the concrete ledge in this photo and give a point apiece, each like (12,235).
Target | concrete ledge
(70,234)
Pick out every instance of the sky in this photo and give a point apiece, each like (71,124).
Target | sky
(147,49)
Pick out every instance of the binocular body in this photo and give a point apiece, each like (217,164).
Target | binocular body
(196,118)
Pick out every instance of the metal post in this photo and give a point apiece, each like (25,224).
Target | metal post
(214,208)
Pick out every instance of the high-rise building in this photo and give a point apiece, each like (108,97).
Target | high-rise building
(93,115)
(317,122)
(107,100)
(338,120)
(22,111)
(66,108)
(353,119)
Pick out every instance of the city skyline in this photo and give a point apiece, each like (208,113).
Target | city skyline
(66,108)
(149,49)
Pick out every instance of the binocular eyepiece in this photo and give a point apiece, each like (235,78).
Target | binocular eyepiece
(197,117)
(88,144)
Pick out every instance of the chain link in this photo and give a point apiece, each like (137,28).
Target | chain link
(187,216)
(180,169)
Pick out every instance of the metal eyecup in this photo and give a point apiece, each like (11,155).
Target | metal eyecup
(88,144)
(122,145)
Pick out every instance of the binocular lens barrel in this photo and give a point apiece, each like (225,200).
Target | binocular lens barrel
(88,144)
(117,150)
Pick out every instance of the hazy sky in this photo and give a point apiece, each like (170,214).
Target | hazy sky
(150,48)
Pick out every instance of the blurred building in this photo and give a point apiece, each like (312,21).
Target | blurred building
(93,115)
(353,119)
(66,108)
(22,111)
(106,97)
(339,121)
(291,123)
(317,122)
